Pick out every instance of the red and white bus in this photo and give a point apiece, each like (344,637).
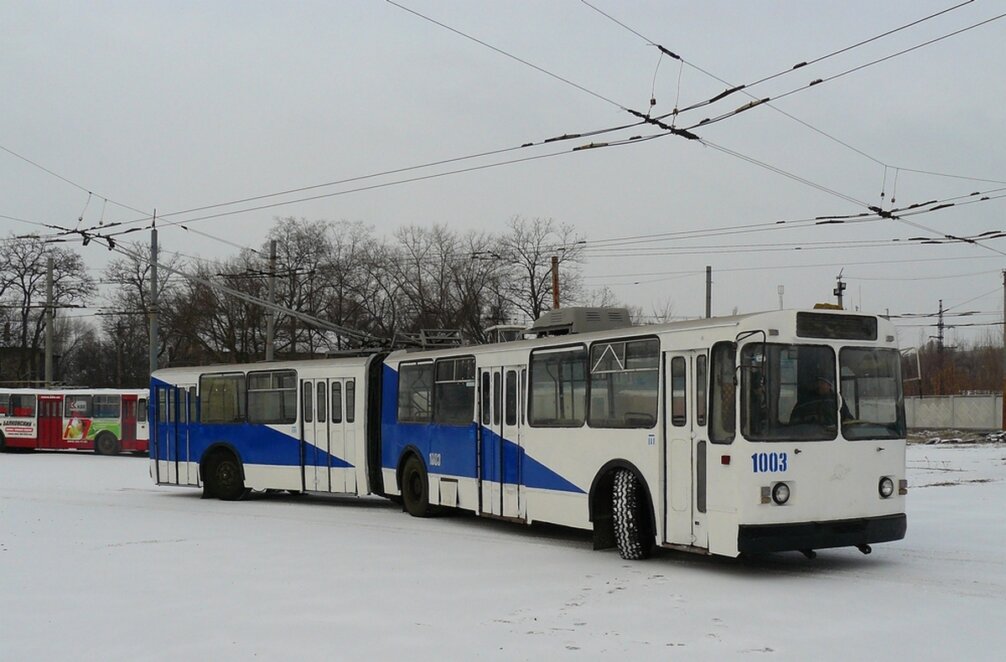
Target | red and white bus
(107,421)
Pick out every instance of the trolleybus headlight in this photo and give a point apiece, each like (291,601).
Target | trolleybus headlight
(886,487)
(780,493)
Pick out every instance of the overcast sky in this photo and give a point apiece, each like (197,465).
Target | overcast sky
(177,105)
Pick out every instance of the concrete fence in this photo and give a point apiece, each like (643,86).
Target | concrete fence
(963,412)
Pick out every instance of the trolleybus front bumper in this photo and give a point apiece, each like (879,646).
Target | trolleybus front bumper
(765,538)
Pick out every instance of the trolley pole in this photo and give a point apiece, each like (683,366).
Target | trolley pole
(153,295)
(48,322)
(270,319)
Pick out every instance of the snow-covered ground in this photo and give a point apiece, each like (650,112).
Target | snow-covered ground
(96,563)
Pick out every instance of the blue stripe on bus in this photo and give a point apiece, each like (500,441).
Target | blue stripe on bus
(255,443)
(455,446)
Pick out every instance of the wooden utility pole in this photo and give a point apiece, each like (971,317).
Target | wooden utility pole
(1002,422)
(709,291)
(48,322)
(555,282)
(153,294)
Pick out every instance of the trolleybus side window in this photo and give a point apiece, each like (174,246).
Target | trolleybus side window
(4,403)
(497,397)
(873,405)
(307,401)
(22,404)
(484,394)
(77,404)
(700,389)
(415,392)
(337,402)
(107,405)
(141,410)
(624,383)
(193,408)
(322,403)
(523,390)
(558,387)
(723,400)
(223,397)
(511,398)
(350,400)
(162,405)
(679,409)
(272,396)
(454,391)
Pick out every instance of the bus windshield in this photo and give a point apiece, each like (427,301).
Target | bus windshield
(788,392)
(871,393)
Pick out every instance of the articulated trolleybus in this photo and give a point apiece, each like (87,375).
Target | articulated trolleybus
(749,434)
(106,421)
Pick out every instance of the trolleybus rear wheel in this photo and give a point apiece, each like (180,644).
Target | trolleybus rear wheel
(629,515)
(225,479)
(106,444)
(415,488)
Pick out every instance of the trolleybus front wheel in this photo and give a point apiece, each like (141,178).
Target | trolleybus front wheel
(629,517)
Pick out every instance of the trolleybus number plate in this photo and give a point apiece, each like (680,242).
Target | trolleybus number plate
(769,462)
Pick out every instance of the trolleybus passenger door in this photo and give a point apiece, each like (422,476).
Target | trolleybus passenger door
(170,433)
(186,396)
(512,454)
(343,480)
(686,447)
(349,431)
(314,434)
(50,421)
(128,418)
(142,423)
(491,435)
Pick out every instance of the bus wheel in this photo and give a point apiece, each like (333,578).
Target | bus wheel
(629,517)
(3,443)
(224,480)
(106,444)
(415,488)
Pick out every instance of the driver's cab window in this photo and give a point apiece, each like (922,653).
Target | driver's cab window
(788,392)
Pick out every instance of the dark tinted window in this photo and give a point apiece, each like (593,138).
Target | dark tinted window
(350,400)
(700,389)
(845,327)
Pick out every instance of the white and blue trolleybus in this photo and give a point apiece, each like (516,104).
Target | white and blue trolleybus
(738,435)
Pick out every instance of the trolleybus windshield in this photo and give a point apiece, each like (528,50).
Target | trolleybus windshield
(789,393)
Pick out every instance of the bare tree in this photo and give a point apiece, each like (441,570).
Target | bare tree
(528,247)
(24,265)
